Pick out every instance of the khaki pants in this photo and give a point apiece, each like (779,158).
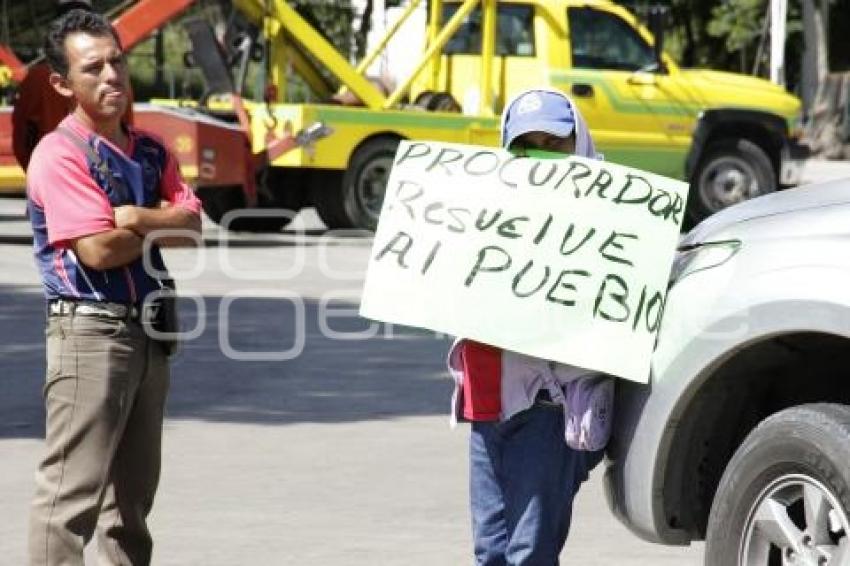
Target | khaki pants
(105,397)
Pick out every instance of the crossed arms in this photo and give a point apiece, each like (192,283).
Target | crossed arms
(125,243)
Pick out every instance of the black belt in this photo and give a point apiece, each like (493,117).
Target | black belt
(102,309)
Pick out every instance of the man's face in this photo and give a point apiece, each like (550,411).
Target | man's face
(545,142)
(97,76)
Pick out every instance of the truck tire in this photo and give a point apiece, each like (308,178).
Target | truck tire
(218,201)
(785,495)
(731,171)
(356,201)
(423,99)
(443,102)
(326,190)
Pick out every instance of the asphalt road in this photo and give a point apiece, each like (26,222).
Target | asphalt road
(341,455)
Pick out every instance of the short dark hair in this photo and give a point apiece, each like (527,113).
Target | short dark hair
(75,21)
(66,7)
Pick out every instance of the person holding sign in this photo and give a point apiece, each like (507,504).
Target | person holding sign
(523,474)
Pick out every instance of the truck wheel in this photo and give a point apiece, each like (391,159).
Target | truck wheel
(731,171)
(365,181)
(357,201)
(423,99)
(785,495)
(218,201)
(326,190)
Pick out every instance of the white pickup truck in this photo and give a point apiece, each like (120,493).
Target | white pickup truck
(742,437)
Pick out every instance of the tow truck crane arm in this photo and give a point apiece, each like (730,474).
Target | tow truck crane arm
(133,25)
(141,19)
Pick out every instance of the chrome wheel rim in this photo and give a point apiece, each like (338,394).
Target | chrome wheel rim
(727,181)
(372,185)
(796,520)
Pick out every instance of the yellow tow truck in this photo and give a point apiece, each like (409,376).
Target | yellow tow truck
(732,136)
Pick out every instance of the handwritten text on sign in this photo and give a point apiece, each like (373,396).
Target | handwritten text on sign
(563,259)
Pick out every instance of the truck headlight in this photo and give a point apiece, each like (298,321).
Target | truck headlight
(701,257)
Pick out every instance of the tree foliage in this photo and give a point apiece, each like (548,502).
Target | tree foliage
(739,22)
(332,19)
(718,34)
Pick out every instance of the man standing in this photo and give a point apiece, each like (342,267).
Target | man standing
(97,189)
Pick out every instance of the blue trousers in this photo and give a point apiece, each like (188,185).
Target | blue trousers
(523,478)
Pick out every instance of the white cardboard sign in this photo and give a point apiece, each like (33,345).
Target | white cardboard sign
(563,259)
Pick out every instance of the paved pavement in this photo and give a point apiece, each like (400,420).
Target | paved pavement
(341,456)
(820,170)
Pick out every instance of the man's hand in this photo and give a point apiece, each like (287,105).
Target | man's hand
(127,217)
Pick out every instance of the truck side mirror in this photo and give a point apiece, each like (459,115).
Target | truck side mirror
(656,27)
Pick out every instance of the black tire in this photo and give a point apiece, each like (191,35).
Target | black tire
(276,189)
(443,102)
(356,201)
(217,201)
(423,99)
(730,171)
(326,190)
(796,458)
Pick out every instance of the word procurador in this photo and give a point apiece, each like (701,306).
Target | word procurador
(614,299)
(571,176)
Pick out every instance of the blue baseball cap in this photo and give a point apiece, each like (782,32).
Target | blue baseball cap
(537,111)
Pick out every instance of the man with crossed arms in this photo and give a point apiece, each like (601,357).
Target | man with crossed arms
(97,189)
